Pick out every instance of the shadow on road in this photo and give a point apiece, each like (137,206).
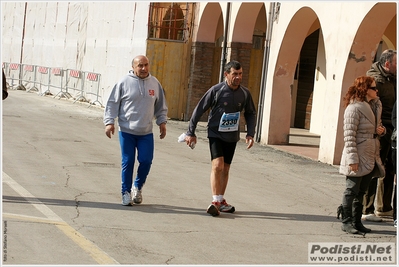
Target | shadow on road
(179,210)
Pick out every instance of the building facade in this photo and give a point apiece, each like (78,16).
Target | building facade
(298,58)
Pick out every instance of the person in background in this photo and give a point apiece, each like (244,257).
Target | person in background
(380,190)
(4,81)
(226,100)
(394,158)
(360,160)
(136,100)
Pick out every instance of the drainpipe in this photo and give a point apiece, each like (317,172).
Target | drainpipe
(23,34)
(224,53)
(22,46)
(264,72)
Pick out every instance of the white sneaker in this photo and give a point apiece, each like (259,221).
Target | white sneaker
(137,197)
(371,218)
(126,199)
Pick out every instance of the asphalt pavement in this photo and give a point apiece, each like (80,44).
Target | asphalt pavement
(62,201)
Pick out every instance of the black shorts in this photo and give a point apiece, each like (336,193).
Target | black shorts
(223,149)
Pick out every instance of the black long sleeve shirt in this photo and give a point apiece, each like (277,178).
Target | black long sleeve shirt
(229,101)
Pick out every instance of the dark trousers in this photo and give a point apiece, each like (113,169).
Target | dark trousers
(355,189)
(395,185)
(394,203)
(381,188)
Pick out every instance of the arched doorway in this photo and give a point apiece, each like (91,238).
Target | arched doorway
(305,75)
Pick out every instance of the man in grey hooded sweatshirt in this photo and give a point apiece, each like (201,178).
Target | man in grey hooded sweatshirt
(135,100)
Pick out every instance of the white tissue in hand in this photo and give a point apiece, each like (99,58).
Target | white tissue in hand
(182,138)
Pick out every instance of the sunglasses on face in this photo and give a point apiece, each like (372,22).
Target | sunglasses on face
(373,88)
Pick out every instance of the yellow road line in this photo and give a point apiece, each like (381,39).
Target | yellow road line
(94,251)
(29,218)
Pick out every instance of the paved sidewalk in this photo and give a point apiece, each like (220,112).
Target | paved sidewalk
(301,143)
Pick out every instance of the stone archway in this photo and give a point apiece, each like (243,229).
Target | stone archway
(248,34)
(278,98)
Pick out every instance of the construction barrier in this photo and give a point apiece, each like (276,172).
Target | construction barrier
(74,82)
(60,73)
(28,77)
(80,85)
(92,88)
(43,77)
(14,70)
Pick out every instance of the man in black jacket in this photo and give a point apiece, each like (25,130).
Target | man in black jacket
(226,101)
(384,73)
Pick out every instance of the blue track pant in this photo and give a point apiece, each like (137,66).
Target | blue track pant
(144,145)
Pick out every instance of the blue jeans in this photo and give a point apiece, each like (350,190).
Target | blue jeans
(144,144)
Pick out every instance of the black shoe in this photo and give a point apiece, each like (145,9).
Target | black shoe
(360,227)
(348,227)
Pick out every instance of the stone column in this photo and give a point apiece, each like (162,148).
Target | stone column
(203,74)
(241,52)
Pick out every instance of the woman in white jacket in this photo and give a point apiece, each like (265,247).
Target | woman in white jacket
(360,160)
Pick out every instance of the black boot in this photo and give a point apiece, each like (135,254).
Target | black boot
(348,227)
(346,219)
(361,228)
(357,217)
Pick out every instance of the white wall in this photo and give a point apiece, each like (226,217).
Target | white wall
(100,37)
(12,22)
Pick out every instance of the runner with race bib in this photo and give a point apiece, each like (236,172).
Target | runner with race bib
(226,101)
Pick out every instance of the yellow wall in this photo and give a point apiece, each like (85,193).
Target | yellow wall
(255,74)
(168,63)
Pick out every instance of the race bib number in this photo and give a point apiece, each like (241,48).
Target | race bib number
(229,122)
